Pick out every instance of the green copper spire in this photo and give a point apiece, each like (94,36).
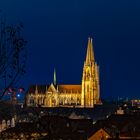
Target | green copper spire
(54,77)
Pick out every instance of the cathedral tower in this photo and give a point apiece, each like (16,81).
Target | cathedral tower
(90,79)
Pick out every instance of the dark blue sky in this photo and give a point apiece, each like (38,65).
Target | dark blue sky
(57,33)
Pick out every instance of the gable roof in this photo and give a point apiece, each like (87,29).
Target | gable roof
(52,88)
(103,132)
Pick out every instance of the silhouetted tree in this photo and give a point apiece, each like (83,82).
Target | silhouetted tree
(12,56)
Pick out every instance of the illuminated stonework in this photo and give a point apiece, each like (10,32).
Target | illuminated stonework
(85,95)
(90,79)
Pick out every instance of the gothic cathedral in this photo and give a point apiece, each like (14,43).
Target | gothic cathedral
(55,95)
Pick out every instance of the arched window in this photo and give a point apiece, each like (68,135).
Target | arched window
(88,75)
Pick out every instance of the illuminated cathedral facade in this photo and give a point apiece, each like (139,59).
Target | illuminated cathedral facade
(86,94)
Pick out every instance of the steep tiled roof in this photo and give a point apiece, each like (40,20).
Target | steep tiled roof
(61,88)
(70,88)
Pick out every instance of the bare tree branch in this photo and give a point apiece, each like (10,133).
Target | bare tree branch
(12,56)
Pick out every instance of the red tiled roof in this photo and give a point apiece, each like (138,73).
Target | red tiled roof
(70,88)
(61,88)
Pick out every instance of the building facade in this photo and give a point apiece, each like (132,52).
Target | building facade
(86,94)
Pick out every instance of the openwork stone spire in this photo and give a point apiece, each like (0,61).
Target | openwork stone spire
(90,52)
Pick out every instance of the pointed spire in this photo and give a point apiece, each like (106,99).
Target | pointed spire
(54,77)
(90,52)
(36,89)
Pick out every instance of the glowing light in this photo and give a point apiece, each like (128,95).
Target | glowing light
(18,95)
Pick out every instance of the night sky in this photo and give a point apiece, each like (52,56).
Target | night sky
(57,32)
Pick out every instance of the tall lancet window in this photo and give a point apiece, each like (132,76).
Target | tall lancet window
(88,76)
(87,88)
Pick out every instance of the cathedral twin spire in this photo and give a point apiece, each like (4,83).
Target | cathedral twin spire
(90,80)
(90,52)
